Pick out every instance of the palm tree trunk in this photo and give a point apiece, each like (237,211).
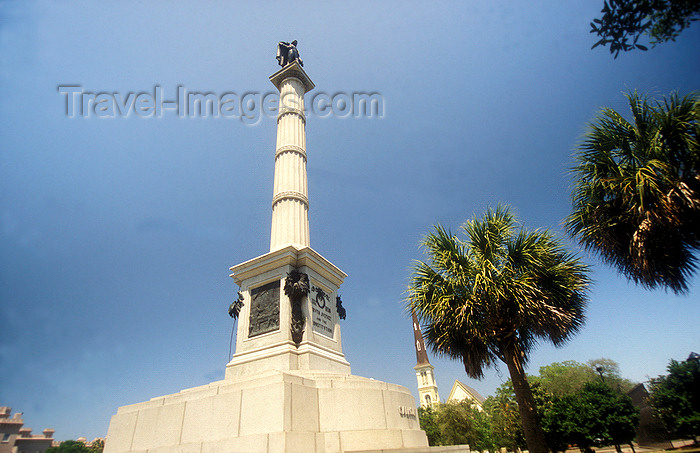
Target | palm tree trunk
(534,436)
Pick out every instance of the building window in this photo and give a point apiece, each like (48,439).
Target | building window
(6,438)
(427,400)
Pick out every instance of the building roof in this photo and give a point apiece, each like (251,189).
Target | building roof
(461,391)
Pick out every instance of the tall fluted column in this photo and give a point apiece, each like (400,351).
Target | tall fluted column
(290,201)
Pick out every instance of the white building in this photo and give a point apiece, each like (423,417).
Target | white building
(460,392)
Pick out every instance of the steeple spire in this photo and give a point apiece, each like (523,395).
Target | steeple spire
(421,354)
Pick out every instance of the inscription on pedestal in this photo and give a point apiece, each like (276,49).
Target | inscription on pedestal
(264,309)
(321,312)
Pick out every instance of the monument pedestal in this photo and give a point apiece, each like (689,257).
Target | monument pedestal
(275,411)
(264,339)
(277,396)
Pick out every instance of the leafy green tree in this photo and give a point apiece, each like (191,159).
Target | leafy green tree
(595,415)
(585,413)
(610,415)
(98,445)
(569,377)
(554,410)
(609,372)
(624,21)
(483,426)
(558,423)
(636,195)
(675,398)
(564,378)
(456,423)
(493,296)
(70,446)
(427,417)
(506,428)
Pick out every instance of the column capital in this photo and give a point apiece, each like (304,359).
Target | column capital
(292,70)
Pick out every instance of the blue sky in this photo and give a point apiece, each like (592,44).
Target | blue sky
(116,235)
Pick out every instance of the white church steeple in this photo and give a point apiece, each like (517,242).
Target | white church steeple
(427,387)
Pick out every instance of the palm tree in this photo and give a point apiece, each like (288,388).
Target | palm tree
(636,195)
(494,295)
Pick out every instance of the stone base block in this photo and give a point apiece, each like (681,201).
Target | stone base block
(275,411)
(286,356)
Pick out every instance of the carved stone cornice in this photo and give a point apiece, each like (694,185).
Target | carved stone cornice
(291,111)
(290,195)
(292,149)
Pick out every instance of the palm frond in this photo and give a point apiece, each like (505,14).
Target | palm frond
(636,196)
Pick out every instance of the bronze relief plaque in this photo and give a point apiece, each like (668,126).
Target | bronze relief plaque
(321,312)
(264,309)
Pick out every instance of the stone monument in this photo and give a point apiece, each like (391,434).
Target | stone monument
(288,387)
